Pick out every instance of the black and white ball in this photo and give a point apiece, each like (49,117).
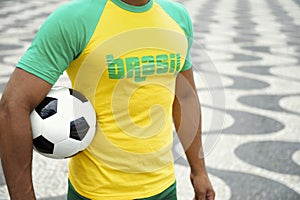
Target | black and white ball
(63,124)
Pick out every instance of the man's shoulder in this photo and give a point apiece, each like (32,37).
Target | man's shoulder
(172,5)
(175,9)
(79,8)
(179,13)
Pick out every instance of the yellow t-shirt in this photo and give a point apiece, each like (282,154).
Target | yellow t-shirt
(124,59)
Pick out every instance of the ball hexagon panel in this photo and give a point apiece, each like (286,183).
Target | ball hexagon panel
(57,127)
(47,107)
(79,128)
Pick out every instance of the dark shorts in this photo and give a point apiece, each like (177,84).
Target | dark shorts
(168,194)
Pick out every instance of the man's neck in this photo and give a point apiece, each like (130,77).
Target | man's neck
(136,2)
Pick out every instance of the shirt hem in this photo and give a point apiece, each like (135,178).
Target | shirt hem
(122,195)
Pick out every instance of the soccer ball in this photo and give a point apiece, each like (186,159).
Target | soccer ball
(63,124)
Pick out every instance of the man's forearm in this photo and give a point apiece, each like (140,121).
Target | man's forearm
(16,151)
(195,156)
(187,121)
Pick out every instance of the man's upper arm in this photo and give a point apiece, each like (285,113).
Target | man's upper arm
(24,90)
(185,84)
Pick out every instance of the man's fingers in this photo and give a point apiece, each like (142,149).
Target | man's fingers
(202,188)
(206,195)
(210,195)
(201,195)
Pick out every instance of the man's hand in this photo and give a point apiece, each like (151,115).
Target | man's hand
(187,121)
(202,187)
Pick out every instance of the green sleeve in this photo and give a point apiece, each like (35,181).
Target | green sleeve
(179,13)
(61,39)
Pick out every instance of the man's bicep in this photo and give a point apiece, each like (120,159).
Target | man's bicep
(25,89)
(185,84)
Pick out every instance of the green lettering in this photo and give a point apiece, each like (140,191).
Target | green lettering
(172,62)
(139,68)
(115,67)
(177,64)
(162,64)
(133,69)
(148,65)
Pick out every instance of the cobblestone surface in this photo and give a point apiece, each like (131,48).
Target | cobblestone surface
(247,64)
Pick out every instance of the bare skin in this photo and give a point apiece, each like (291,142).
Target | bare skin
(22,94)
(136,2)
(187,120)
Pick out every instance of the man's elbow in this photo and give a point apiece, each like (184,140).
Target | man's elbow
(8,108)
(188,97)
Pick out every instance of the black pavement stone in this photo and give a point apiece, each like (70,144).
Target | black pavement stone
(245,25)
(295,42)
(292,29)
(271,155)
(239,82)
(266,102)
(243,83)
(246,186)
(297,2)
(265,49)
(5,47)
(29,39)
(257,70)
(62,197)
(202,29)
(180,160)
(2,86)
(288,26)
(2,58)
(2,179)
(249,34)
(246,123)
(238,57)
(17,12)
(204,17)
(242,39)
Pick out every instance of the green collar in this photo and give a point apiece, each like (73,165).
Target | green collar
(132,8)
